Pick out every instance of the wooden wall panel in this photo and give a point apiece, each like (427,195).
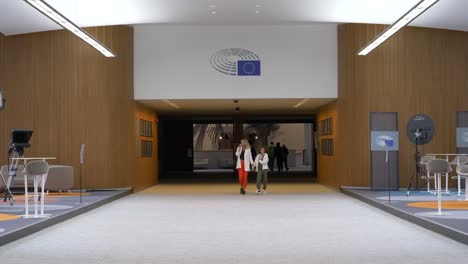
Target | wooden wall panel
(327,164)
(146,167)
(418,70)
(70,94)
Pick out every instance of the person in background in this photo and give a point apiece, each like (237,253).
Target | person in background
(285,157)
(261,166)
(279,156)
(244,162)
(271,155)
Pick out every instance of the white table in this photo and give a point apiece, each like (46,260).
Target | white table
(447,155)
(37,179)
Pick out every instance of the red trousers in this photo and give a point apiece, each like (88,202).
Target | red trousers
(243,175)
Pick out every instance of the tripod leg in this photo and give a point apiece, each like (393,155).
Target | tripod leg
(12,171)
(412,179)
(428,181)
(410,183)
(7,195)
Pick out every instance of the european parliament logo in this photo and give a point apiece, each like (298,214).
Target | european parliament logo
(237,62)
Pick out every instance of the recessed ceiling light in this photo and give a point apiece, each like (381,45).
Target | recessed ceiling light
(257,12)
(257,5)
(212,6)
(213,12)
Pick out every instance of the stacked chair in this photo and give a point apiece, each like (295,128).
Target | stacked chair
(456,162)
(424,160)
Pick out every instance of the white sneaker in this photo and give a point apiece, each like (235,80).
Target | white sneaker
(264,192)
(258,191)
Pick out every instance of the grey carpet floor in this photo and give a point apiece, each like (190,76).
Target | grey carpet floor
(304,223)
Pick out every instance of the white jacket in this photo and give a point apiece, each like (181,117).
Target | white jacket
(264,162)
(248,160)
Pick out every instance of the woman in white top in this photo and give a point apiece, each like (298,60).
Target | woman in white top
(261,165)
(244,162)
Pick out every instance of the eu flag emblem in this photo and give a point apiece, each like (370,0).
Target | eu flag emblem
(248,68)
(389,142)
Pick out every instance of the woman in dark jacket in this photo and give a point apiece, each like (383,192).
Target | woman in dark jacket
(285,157)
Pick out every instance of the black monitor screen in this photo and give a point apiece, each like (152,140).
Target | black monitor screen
(20,137)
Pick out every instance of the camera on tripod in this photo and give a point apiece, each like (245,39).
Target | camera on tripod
(19,141)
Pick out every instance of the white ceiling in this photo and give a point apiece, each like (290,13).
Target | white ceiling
(17,17)
(227,106)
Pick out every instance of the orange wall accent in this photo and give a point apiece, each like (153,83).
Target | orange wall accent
(326,167)
(146,167)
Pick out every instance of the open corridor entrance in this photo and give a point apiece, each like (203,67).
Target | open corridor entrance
(202,149)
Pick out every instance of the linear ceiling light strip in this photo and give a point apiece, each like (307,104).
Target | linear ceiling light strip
(303,101)
(58,18)
(412,14)
(171,103)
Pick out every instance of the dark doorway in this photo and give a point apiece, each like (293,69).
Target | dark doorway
(175,148)
(201,149)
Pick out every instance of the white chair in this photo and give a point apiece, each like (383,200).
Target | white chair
(38,170)
(462,172)
(437,167)
(457,161)
(424,160)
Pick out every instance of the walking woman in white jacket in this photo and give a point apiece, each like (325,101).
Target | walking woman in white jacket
(244,163)
(261,166)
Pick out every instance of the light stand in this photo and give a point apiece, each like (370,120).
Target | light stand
(81,183)
(417,158)
(387,144)
(420,130)
(81,172)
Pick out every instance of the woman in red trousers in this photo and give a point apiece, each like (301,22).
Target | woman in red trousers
(244,163)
